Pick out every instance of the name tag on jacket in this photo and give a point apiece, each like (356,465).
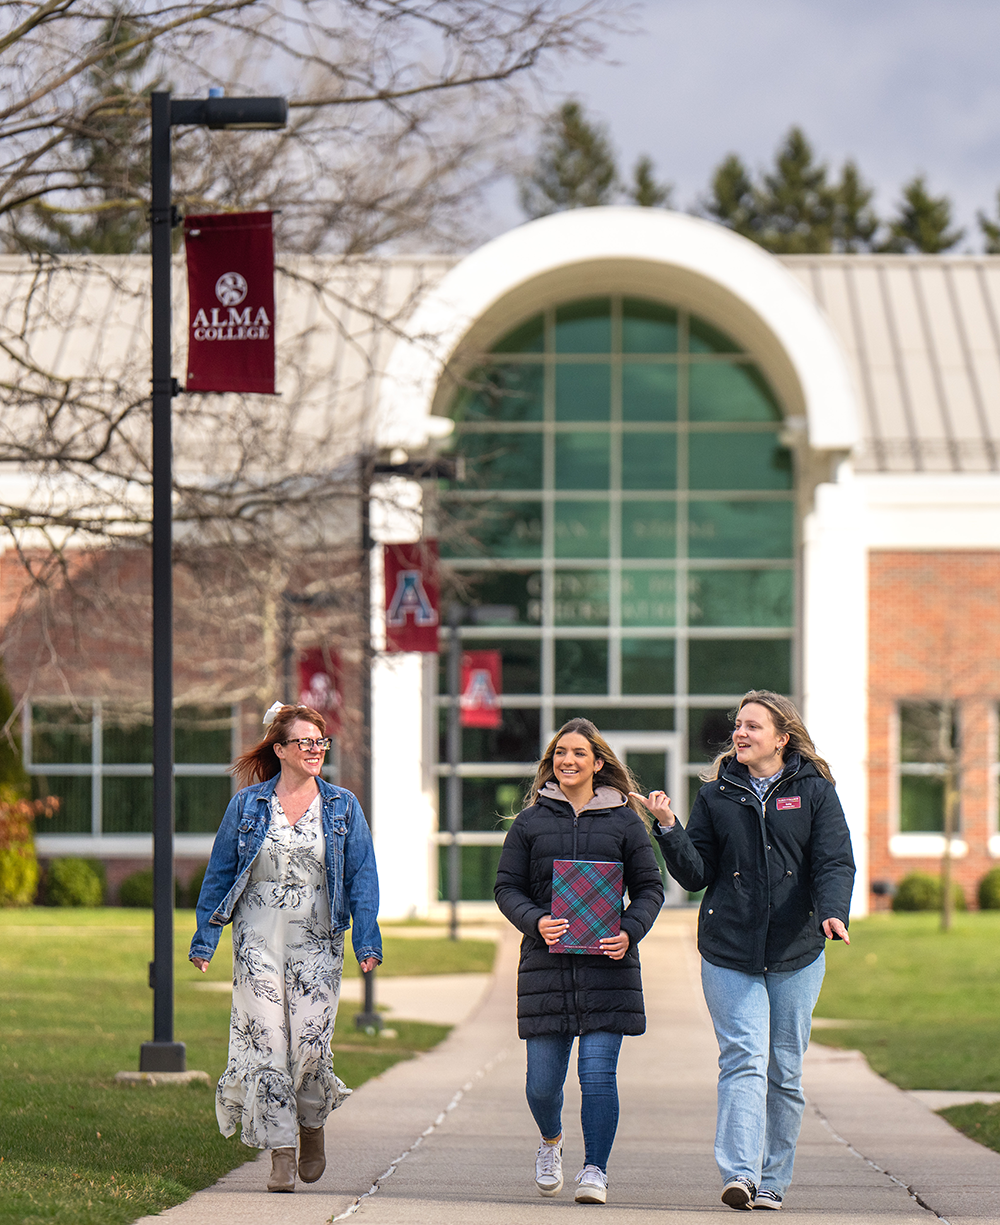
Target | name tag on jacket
(789,801)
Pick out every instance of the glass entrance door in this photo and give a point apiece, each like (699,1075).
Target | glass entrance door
(654,758)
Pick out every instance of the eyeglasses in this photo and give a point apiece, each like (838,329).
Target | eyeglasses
(307,744)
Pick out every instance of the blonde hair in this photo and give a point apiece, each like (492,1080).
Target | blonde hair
(261,762)
(612,774)
(787,722)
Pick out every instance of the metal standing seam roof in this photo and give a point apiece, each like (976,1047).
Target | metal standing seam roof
(922,336)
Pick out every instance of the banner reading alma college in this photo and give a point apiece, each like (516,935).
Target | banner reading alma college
(230,264)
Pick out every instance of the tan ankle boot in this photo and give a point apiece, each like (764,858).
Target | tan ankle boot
(312,1159)
(282,1170)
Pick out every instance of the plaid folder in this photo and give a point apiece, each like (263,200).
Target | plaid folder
(588,893)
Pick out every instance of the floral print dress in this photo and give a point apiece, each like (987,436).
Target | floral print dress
(286,986)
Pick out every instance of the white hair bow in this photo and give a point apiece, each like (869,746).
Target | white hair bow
(271,713)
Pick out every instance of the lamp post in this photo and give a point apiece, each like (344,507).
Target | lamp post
(163,1054)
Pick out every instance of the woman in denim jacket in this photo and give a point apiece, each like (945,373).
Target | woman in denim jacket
(291,866)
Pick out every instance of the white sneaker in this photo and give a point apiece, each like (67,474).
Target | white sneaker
(593,1188)
(548,1168)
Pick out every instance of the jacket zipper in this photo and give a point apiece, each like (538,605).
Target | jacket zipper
(572,960)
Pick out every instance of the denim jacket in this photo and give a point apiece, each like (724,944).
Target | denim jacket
(352,879)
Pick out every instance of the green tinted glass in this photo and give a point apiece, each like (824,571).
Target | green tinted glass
(200,803)
(509,392)
(649,461)
(736,665)
(502,459)
(528,337)
(649,769)
(493,529)
(703,338)
(74,815)
(478,866)
(721,391)
(648,665)
(581,665)
(128,739)
(738,461)
(127,805)
(583,460)
(927,731)
(581,529)
(584,327)
(921,804)
(503,590)
(618,718)
(516,739)
(740,529)
(649,529)
(581,597)
(61,735)
(648,327)
(649,392)
(709,732)
(740,597)
(583,392)
(203,735)
(649,597)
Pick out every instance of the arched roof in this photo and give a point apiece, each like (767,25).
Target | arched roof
(648,252)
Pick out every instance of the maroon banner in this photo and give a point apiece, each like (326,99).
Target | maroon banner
(411,596)
(319,685)
(479,704)
(230,264)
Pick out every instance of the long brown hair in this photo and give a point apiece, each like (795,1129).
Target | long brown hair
(787,722)
(612,774)
(261,762)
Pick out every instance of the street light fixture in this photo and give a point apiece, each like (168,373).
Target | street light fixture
(163,1054)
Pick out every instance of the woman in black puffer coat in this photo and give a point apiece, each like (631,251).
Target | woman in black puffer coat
(579,808)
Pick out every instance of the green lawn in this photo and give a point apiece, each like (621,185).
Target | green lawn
(930,1003)
(77,1149)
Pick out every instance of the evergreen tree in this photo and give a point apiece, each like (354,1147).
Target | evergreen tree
(922,223)
(796,203)
(733,201)
(990,230)
(855,222)
(575,166)
(645,191)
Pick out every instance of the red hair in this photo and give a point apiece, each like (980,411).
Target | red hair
(261,762)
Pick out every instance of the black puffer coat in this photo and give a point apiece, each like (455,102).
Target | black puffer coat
(573,993)
(771,871)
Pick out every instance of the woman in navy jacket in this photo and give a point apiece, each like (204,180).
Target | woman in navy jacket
(768,842)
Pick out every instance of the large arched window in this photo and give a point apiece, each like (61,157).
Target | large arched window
(628,494)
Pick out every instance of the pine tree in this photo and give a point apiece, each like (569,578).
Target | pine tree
(990,230)
(733,201)
(855,222)
(645,190)
(922,222)
(575,166)
(795,203)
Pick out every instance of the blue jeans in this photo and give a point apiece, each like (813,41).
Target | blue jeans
(762,1023)
(596,1065)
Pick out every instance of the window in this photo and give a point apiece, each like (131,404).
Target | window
(97,758)
(628,496)
(928,740)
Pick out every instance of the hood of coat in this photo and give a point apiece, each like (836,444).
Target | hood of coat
(602,799)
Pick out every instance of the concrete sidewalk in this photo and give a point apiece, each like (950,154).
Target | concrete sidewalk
(447,1137)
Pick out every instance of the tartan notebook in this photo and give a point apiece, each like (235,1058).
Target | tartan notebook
(587,893)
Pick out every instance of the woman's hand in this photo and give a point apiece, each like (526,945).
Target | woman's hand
(368,964)
(552,930)
(834,927)
(615,946)
(658,803)
(199,963)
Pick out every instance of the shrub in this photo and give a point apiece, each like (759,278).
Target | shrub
(989,890)
(18,864)
(920,891)
(137,890)
(194,885)
(18,875)
(74,882)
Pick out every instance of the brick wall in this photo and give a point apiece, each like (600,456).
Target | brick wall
(934,633)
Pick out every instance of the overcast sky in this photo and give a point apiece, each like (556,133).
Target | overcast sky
(901,87)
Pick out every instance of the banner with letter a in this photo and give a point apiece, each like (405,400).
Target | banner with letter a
(230,264)
(411,596)
(319,685)
(479,704)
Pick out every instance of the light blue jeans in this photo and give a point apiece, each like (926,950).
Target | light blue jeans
(762,1023)
(596,1065)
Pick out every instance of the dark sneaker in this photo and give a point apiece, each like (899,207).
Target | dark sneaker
(548,1168)
(739,1193)
(767,1199)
